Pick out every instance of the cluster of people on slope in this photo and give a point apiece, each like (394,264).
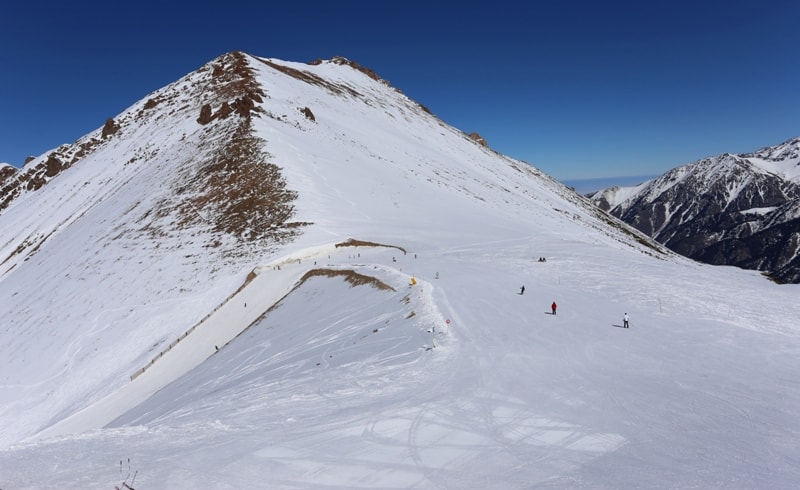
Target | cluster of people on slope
(554,307)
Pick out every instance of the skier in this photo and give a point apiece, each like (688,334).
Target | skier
(625,321)
(522,290)
(554,306)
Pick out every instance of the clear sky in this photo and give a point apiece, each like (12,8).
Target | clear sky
(581,89)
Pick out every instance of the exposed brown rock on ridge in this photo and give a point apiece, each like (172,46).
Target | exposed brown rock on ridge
(110,127)
(234,85)
(477,138)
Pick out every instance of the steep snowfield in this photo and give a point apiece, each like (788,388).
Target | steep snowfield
(427,370)
(783,159)
(95,284)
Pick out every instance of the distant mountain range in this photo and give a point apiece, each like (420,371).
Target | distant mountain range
(590,186)
(741,210)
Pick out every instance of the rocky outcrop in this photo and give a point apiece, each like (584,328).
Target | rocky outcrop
(477,138)
(110,127)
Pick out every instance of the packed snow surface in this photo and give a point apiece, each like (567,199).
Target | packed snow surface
(341,387)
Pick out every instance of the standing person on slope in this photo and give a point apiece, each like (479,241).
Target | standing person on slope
(522,290)
(625,321)
(553,307)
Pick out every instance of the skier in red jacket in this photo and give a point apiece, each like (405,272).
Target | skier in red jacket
(554,306)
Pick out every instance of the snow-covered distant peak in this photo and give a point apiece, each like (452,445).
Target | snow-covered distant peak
(782,160)
(612,196)
(788,150)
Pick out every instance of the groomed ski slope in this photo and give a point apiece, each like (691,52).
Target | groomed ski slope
(701,391)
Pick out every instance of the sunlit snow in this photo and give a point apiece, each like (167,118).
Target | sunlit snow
(448,378)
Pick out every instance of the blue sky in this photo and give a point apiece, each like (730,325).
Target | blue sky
(581,89)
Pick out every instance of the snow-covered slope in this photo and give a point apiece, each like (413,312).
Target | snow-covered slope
(281,275)
(738,210)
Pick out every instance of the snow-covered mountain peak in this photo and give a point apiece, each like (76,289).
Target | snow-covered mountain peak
(243,160)
(782,159)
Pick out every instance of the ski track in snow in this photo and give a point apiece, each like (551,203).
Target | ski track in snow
(397,429)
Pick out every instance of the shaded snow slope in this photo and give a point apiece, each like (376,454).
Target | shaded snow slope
(405,357)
